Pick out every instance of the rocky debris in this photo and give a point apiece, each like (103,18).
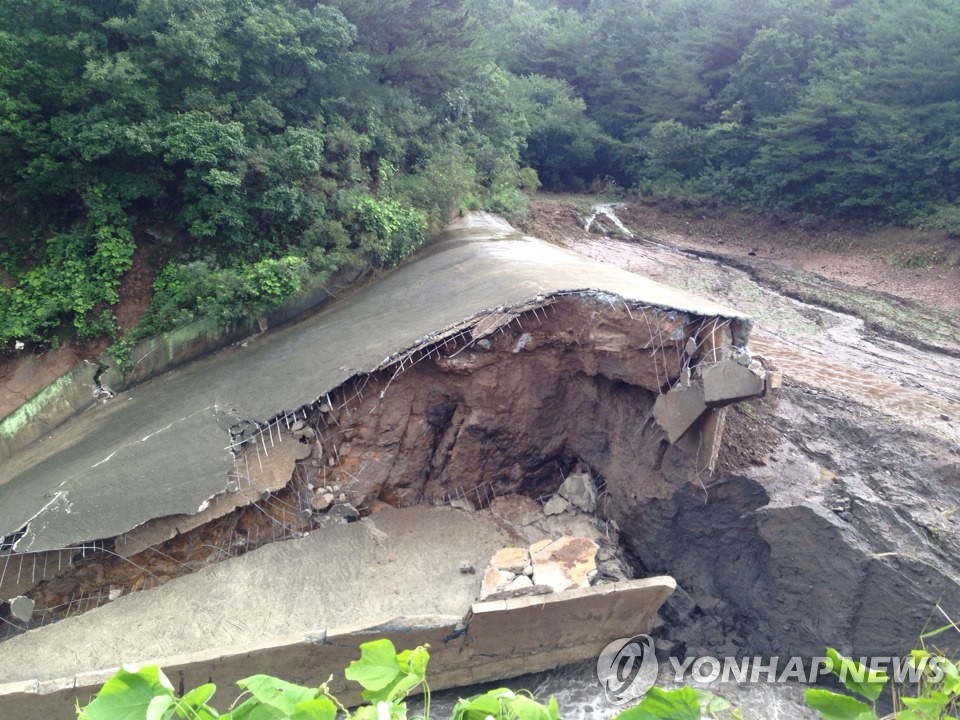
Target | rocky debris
(322,501)
(578,490)
(728,381)
(494,581)
(467,568)
(556,505)
(565,563)
(21,608)
(511,559)
(782,558)
(546,566)
(679,408)
(344,512)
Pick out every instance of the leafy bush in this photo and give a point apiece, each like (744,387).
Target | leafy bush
(387,678)
(937,691)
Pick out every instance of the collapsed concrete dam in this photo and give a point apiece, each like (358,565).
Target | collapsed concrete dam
(476,377)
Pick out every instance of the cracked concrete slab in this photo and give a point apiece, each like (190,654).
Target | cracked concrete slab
(159,448)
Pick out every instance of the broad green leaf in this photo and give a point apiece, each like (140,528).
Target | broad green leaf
(377,667)
(635,713)
(479,707)
(529,709)
(321,708)
(711,703)
(911,715)
(127,695)
(276,693)
(680,704)
(951,677)
(856,677)
(415,661)
(932,703)
(834,706)
(161,707)
(242,711)
(199,695)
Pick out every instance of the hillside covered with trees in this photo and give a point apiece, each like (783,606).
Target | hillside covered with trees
(246,146)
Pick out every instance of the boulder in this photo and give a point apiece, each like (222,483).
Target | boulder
(578,489)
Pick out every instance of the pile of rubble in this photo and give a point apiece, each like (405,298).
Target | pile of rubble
(546,566)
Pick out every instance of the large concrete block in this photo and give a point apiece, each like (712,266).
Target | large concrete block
(728,381)
(675,411)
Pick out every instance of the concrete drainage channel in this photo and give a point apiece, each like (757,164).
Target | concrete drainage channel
(564,412)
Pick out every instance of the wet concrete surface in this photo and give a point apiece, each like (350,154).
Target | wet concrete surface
(160,448)
(396,563)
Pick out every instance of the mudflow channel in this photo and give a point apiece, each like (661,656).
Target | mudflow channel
(829,518)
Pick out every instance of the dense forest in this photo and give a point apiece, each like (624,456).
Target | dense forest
(250,146)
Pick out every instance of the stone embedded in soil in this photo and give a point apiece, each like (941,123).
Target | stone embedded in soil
(565,563)
(21,608)
(578,489)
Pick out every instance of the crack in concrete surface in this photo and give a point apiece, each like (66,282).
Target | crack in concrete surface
(180,459)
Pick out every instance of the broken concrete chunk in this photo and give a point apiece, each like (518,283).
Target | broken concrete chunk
(494,581)
(679,408)
(556,505)
(520,582)
(565,563)
(511,559)
(728,381)
(21,607)
(772,382)
(691,347)
(579,491)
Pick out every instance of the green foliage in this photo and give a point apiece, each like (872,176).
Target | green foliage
(825,108)
(934,679)
(387,678)
(391,230)
(259,138)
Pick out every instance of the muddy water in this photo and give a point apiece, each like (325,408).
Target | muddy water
(821,349)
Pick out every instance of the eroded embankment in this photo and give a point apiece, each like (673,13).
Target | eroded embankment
(507,407)
(832,517)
